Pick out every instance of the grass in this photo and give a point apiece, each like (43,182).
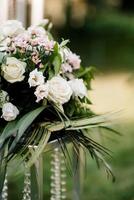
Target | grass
(97,187)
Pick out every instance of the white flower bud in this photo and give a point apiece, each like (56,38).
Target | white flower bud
(78,87)
(9,111)
(35,78)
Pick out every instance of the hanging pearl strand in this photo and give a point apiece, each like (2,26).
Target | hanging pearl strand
(58,183)
(63,177)
(27,187)
(5,189)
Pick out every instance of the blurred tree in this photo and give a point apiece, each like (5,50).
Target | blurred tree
(68,12)
(127,5)
(98,3)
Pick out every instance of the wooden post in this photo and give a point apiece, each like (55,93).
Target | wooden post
(3,10)
(21,11)
(37,11)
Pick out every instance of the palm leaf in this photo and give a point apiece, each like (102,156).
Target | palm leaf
(38,149)
(3,166)
(83,123)
(9,130)
(100,160)
(24,123)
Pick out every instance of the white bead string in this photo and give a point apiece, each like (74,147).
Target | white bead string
(63,177)
(5,189)
(27,186)
(58,183)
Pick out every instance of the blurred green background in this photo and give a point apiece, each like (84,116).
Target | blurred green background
(102,32)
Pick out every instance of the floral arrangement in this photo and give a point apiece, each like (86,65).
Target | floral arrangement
(43,95)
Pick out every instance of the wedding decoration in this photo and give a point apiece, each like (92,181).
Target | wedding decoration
(43,98)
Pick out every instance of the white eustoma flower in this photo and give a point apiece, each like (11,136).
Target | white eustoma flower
(11,28)
(73,60)
(37,30)
(9,111)
(66,68)
(59,90)
(64,53)
(35,78)
(41,92)
(4,44)
(78,87)
(3,97)
(14,69)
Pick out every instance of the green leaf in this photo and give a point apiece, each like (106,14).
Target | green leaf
(51,72)
(27,119)
(56,48)
(25,122)
(80,123)
(2,55)
(39,168)
(34,183)
(9,130)
(57,63)
(35,152)
(87,74)
(64,43)
(3,166)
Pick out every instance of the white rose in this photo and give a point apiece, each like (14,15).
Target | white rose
(9,111)
(41,92)
(13,70)
(78,87)
(59,90)
(11,28)
(35,78)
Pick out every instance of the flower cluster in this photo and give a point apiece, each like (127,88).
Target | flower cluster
(34,64)
(43,97)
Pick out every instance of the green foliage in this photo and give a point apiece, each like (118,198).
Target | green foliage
(54,64)
(3,166)
(77,108)
(2,55)
(87,74)
(96,186)
(8,131)
(24,123)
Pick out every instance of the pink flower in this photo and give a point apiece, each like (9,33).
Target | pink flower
(38,41)
(44,42)
(34,41)
(66,67)
(21,40)
(49,45)
(35,57)
(73,60)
